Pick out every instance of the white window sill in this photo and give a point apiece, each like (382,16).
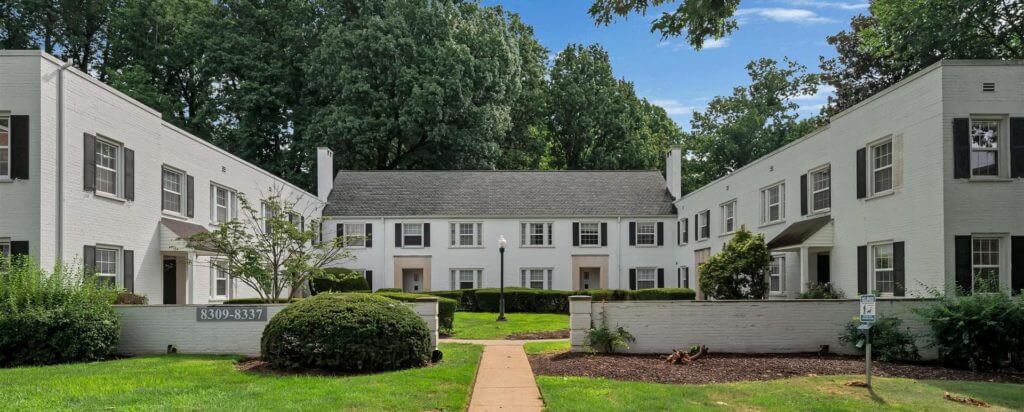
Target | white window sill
(5,179)
(727,234)
(412,247)
(880,195)
(989,179)
(824,211)
(174,215)
(218,299)
(106,195)
(639,245)
(538,246)
(465,247)
(590,246)
(772,223)
(701,240)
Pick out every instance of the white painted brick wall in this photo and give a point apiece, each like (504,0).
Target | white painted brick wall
(773,326)
(148,329)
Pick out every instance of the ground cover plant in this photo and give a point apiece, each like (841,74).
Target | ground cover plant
(482,325)
(213,383)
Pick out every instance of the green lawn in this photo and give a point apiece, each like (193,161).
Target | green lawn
(189,382)
(808,394)
(482,325)
(537,348)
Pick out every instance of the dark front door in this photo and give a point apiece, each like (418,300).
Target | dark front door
(824,269)
(170,282)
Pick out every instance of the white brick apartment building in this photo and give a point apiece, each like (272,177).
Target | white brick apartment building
(88,174)
(917,187)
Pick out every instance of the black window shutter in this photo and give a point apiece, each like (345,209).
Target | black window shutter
(696,227)
(1017,264)
(1017,147)
(632,233)
(962,252)
(89,259)
(575,233)
(604,233)
(19,248)
(398,235)
(190,190)
(803,194)
(369,279)
(632,279)
(340,230)
(961,148)
(679,277)
(129,174)
(679,232)
(19,145)
(899,272)
(426,235)
(89,162)
(661,277)
(661,233)
(129,270)
(862,269)
(862,173)
(369,234)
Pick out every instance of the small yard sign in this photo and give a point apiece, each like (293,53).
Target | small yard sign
(231,314)
(867,308)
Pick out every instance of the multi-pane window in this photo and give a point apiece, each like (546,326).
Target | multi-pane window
(466,278)
(684,229)
(267,213)
(646,233)
(225,204)
(883,267)
(704,224)
(537,278)
(985,264)
(821,189)
(412,234)
(646,278)
(466,234)
(536,234)
(5,147)
(776,273)
(106,265)
(355,234)
(221,280)
(729,217)
(772,208)
(106,167)
(173,185)
(881,167)
(984,148)
(590,234)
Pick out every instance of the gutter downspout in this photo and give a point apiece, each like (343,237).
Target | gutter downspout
(618,253)
(60,162)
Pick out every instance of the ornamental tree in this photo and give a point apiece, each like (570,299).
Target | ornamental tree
(738,271)
(270,250)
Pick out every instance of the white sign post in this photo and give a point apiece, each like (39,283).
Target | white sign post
(867,318)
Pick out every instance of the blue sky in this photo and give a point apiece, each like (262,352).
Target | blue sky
(673,75)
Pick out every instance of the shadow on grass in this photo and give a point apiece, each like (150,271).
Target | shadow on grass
(1007,395)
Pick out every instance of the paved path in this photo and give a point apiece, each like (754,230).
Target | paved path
(504,381)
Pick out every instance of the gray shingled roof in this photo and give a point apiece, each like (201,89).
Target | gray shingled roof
(499,193)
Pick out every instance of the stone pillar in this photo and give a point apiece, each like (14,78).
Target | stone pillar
(579,321)
(427,308)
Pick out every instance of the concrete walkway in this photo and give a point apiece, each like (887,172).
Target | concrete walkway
(504,381)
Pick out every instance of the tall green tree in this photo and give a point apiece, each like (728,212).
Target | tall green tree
(739,270)
(596,121)
(756,119)
(697,20)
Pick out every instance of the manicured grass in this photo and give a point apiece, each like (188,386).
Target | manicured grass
(482,325)
(807,394)
(537,348)
(189,382)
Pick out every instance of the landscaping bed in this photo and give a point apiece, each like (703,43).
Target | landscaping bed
(727,367)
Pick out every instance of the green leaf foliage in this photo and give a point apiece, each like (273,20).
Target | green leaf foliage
(890,342)
(445,307)
(339,280)
(738,270)
(981,331)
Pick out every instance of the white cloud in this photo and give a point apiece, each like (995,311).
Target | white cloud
(716,43)
(824,91)
(841,5)
(708,44)
(800,16)
(674,107)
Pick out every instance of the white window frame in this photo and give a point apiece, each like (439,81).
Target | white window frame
(459,275)
(406,235)
(641,276)
(456,236)
(526,231)
(684,227)
(767,204)
(873,170)
(703,220)
(118,166)
(116,274)
(653,233)
(230,210)
(546,273)
(355,234)
(181,190)
(218,274)
(596,234)
(815,191)
(728,219)
(1001,142)
(998,266)
(5,148)
(876,270)
(777,269)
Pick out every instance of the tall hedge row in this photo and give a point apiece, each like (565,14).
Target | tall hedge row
(551,301)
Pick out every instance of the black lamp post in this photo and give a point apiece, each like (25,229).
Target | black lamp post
(501,291)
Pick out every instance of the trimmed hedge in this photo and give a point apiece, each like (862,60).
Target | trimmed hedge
(465,298)
(339,280)
(357,332)
(526,300)
(445,308)
(662,294)
(256,301)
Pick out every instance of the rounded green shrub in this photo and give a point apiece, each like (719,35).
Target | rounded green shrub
(340,280)
(890,341)
(356,332)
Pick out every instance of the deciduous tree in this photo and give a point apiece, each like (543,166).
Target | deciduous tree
(738,271)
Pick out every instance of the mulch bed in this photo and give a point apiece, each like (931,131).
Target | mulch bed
(730,367)
(550,334)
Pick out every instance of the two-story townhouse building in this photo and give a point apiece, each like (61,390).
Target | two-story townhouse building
(566,230)
(917,188)
(89,175)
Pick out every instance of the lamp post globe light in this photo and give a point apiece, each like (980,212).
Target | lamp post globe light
(502,243)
